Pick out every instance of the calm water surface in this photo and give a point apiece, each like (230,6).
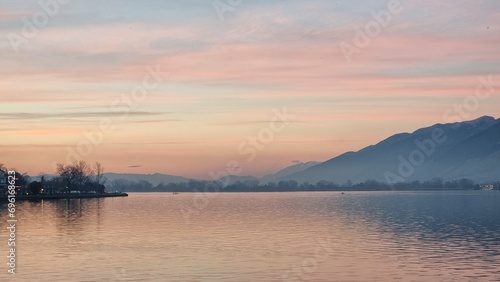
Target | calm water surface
(357,236)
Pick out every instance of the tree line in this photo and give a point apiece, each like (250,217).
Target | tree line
(83,177)
(291,185)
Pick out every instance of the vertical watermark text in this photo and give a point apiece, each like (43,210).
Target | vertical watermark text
(11,221)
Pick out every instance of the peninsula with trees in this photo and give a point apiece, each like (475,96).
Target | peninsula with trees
(76,180)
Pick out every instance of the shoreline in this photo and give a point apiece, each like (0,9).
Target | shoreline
(64,196)
(340,190)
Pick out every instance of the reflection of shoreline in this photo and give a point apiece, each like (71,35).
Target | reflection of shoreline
(65,196)
(74,217)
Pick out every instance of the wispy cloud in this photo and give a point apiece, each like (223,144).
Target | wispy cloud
(38,116)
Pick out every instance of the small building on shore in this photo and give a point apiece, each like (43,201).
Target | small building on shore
(487,186)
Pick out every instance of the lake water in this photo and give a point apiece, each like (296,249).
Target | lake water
(311,236)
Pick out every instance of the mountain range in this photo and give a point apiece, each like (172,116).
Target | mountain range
(452,151)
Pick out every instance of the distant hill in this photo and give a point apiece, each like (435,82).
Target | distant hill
(287,171)
(232,179)
(154,179)
(468,149)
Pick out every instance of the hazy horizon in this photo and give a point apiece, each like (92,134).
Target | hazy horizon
(234,172)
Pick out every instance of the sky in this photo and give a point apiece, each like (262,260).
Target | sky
(203,88)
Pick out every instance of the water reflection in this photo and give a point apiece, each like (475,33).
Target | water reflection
(77,215)
(373,236)
(67,215)
(457,233)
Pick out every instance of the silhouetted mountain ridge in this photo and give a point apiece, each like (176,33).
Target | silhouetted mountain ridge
(471,150)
